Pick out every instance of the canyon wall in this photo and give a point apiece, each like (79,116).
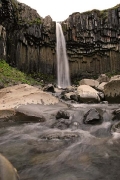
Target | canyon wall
(28,42)
(30,39)
(93,42)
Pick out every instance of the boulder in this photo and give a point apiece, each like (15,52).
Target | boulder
(7,171)
(101,95)
(112,91)
(90,82)
(116,114)
(115,77)
(70,96)
(87,94)
(103,78)
(92,117)
(6,115)
(115,127)
(101,86)
(26,118)
(49,88)
(62,114)
(62,124)
(23,94)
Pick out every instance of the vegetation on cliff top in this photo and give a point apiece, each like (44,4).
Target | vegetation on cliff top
(11,76)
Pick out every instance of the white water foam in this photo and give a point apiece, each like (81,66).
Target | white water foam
(63,76)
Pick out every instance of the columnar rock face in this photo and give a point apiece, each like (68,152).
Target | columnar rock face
(30,38)
(2,42)
(93,40)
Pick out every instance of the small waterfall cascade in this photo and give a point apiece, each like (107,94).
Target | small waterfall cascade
(63,75)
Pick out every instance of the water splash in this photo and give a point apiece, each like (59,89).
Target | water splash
(63,76)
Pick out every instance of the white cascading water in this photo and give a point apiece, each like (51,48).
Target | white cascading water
(63,76)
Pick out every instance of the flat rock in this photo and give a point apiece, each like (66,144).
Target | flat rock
(23,94)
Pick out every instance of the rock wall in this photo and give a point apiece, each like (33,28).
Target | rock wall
(93,42)
(2,42)
(28,41)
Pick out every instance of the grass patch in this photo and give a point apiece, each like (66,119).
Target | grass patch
(11,76)
(113,73)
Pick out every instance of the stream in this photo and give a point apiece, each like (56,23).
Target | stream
(41,151)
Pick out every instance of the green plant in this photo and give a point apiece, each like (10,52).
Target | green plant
(35,21)
(112,73)
(11,76)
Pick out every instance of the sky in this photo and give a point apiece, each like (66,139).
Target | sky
(59,10)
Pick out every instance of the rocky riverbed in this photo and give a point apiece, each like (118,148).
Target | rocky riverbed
(47,139)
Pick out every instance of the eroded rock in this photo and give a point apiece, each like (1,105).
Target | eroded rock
(92,117)
(90,82)
(112,90)
(87,94)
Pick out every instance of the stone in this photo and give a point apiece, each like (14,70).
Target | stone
(7,171)
(23,94)
(88,94)
(116,114)
(91,82)
(5,115)
(74,97)
(62,114)
(103,78)
(101,95)
(92,117)
(115,77)
(115,127)
(62,124)
(101,86)
(112,91)
(27,118)
(49,88)
(67,96)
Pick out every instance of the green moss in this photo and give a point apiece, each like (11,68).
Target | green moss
(104,14)
(113,73)
(35,21)
(11,76)
(91,11)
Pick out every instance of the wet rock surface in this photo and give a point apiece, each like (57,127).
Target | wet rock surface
(40,151)
(92,117)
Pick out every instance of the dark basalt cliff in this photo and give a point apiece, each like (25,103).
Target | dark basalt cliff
(93,41)
(28,42)
(27,39)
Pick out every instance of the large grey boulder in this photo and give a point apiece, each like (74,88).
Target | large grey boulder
(88,94)
(112,90)
(90,82)
(92,117)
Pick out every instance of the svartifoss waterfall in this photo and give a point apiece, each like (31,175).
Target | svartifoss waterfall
(63,76)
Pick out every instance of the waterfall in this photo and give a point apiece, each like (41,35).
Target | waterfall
(63,76)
